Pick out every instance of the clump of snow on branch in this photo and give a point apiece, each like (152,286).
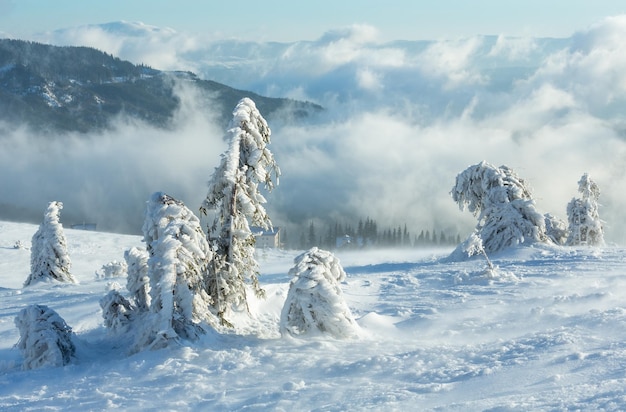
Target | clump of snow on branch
(138,281)
(234,194)
(585,226)
(315,301)
(45,338)
(49,259)
(503,204)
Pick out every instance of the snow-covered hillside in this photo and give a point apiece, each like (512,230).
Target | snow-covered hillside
(549,333)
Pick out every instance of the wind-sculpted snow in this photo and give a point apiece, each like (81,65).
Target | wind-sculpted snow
(436,335)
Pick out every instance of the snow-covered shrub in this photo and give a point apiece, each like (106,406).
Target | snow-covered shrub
(138,281)
(112,269)
(117,312)
(235,196)
(585,226)
(473,245)
(45,338)
(504,206)
(49,259)
(315,301)
(556,229)
(178,253)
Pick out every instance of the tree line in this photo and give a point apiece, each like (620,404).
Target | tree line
(365,234)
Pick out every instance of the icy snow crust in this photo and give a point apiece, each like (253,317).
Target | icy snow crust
(550,333)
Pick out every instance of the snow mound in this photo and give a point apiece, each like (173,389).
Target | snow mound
(45,338)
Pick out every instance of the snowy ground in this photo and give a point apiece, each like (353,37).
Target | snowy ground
(548,334)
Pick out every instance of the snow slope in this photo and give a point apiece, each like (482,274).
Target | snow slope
(548,334)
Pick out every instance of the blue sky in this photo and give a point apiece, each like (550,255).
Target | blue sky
(279,20)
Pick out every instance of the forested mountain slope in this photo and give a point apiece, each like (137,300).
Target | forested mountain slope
(81,89)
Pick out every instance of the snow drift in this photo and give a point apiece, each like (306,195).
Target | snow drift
(436,335)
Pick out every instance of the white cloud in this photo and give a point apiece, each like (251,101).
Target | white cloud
(545,104)
(594,68)
(161,48)
(452,60)
(369,80)
(513,48)
(355,45)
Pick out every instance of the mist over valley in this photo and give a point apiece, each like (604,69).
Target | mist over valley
(400,120)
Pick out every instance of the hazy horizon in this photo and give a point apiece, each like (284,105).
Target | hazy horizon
(285,21)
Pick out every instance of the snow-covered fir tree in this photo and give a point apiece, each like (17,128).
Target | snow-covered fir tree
(235,196)
(315,301)
(49,258)
(122,315)
(584,224)
(503,204)
(117,311)
(45,338)
(178,254)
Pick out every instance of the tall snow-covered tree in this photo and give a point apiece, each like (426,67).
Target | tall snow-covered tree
(315,301)
(49,258)
(45,338)
(584,224)
(235,196)
(178,254)
(503,204)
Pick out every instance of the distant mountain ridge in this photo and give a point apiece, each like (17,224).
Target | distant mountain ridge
(81,89)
